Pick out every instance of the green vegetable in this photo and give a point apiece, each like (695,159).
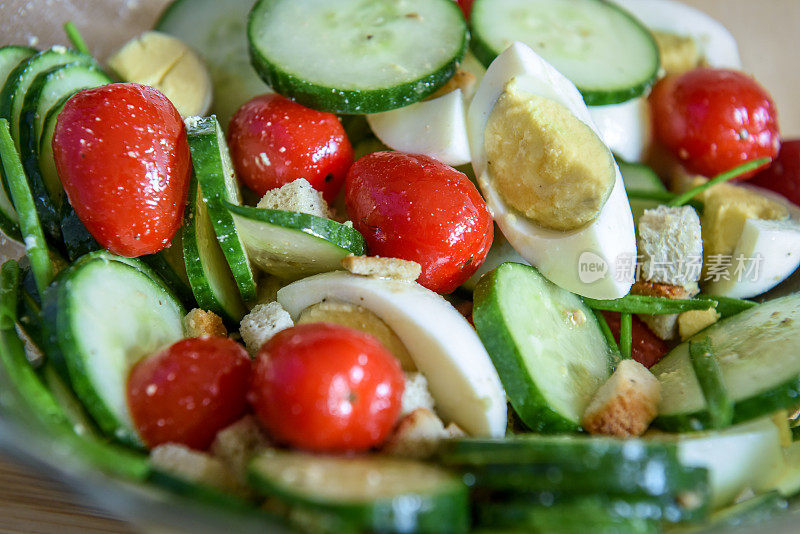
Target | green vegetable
(744,168)
(650,305)
(709,376)
(625,334)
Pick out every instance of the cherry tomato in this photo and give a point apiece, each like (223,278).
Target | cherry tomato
(783,176)
(714,119)
(646,348)
(122,156)
(190,391)
(275,141)
(413,207)
(466,7)
(326,387)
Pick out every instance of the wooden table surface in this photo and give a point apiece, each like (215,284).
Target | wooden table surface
(31,503)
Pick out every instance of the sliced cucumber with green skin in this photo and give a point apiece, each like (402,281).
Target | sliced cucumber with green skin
(609,55)
(21,78)
(48,88)
(355,56)
(108,315)
(788,484)
(77,239)
(757,355)
(10,57)
(545,343)
(47,162)
(213,170)
(198,491)
(218,32)
(207,269)
(172,271)
(293,245)
(373,493)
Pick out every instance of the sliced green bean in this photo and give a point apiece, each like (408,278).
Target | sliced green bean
(625,334)
(650,305)
(744,168)
(728,306)
(706,369)
(76,38)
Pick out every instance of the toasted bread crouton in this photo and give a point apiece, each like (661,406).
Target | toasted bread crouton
(626,404)
(236,444)
(263,322)
(416,394)
(454,431)
(203,323)
(670,238)
(298,196)
(693,321)
(193,466)
(417,435)
(663,326)
(382,267)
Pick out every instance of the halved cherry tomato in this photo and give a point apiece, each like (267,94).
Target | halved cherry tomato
(783,176)
(275,141)
(190,391)
(647,348)
(123,158)
(714,119)
(326,387)
(416,208)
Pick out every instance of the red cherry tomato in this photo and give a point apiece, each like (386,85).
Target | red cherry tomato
(275,141)
(466,7)
(783,176)
(122,156)
(647,348)
(413,207)
(190,391)
(326,387)
(714,119)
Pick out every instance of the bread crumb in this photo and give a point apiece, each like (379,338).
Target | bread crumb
(417,435)
(416,394)
(263,322)
(297,196)
(199,322)
(382,267)
(693,321)
(193,466)
(236,444)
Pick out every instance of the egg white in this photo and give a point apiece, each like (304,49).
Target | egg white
(608,243)
(625,127)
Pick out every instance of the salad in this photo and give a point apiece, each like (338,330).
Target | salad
(412,265)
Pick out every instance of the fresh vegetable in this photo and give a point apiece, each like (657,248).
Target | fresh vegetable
(416,208)
(649,305)
(325,387)
(466,7)
(444,347)
(604,51)
(646,347)
(189,391)
(129,185)
(783,176)
(712,120)
(709,377)
(377,57)
(738,172)
(275,141)
(545,343)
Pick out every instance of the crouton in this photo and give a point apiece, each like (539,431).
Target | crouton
(236,444)
(298,196)
(671,245)
(193,466)
(360,318)
(382,267)
(263,322)
(693,321)
(626,404)
(678,53)
(203,323)
(454,431)
(417,435)
(416,394)
(663,326)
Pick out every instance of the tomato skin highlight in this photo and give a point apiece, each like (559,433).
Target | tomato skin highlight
(189,391)
(646,348)
(122,155)
(783,176)
(416,208)
(714,119)
(275,141)
(327,388)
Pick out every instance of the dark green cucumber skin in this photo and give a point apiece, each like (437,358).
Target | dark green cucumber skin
(440,513)
(523,393)
(76,238)
(592,97)
(201,492)
(178,286)
(345,237)
(346,101)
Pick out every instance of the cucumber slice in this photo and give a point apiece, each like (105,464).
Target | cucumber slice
(293,245)
(209,276)
(355,56)
(47,162)
(757,355)
(213,170)
(545,343)
(110,313)
(217,31)
(10,57)
(609,55)
(372,493)
(788,483)
(48,88)
(168,264)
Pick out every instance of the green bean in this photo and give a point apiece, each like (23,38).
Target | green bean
(650,305)
(709,376)
(683,198)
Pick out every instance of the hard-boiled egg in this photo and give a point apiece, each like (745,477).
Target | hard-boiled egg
(442,344)
(592,260)
(624,127)
(715,44)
